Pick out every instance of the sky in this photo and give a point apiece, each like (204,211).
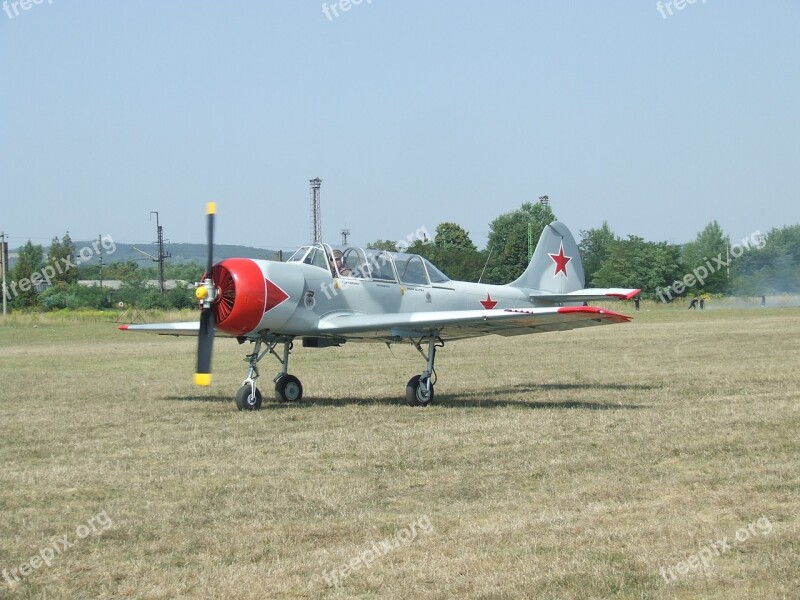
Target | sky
(653,118)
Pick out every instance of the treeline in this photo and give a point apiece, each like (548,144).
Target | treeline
(713,263)
(49,281)
(767,263)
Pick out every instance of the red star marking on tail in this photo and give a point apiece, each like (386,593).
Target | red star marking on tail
(489,304)
(561,261)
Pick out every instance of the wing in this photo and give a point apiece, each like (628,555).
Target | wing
(184,328)
(462,324)
(454,325)
(587,295)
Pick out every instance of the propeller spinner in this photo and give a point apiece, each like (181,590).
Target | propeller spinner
(206,293)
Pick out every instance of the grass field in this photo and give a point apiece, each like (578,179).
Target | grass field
(612,462)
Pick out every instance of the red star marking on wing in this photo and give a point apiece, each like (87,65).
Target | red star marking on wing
(275,296)
(489,304)
(561,261)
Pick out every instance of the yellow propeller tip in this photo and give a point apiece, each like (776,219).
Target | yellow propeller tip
(202,378)
(211,208)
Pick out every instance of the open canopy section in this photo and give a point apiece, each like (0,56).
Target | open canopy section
(370,264)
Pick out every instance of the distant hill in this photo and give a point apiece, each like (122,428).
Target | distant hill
(179,253)
(183,253)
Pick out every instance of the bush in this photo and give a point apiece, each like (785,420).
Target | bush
(72,296)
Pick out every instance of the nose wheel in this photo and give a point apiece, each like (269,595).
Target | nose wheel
(287,387)
(248,397)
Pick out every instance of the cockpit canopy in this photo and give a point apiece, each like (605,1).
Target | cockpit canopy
(372,265)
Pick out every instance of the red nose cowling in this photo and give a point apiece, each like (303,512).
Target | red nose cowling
(242,297)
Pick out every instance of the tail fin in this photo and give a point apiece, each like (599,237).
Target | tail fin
(555,266)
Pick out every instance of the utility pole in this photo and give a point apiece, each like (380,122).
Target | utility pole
(4,266)
(100,258)
(161,254)
(345,233)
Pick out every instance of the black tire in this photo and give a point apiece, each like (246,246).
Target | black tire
(288,389)
(417,393)
(247,401)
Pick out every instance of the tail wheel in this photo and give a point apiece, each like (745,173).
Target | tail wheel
(418,392)
(248,398)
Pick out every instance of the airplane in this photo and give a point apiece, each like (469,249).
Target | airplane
(326,297)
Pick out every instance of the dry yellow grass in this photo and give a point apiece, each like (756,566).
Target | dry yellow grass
(571,465)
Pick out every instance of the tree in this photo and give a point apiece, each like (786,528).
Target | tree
(698,256)
(26,275)
(595,246)
(134,287)
(387,245)
(508,240)
(452,235)
(768,264)
(61,257)
(462,264)
(636,263)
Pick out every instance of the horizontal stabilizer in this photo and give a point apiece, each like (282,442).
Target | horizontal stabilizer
(587,295)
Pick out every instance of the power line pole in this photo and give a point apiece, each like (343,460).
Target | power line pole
(4,266)
(100,256)
(161,254)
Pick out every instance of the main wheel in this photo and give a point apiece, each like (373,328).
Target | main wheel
(288,389)
(246,400)
(417,391)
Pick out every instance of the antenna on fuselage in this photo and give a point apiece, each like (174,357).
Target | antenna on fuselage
(487,263)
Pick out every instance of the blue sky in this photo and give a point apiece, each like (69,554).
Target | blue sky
(411,112)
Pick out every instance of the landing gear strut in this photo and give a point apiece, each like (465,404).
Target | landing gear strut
(419,389)
(287,387)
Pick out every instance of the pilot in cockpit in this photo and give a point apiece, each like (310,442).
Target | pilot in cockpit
(337,265)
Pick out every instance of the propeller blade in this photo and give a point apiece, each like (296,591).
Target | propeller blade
(211,210)
(206,293)
(205,344)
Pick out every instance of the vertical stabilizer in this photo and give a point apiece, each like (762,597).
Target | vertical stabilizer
(555,266)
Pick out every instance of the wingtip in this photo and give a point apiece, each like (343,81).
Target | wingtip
(609,315)
(629,296)
(124,327)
